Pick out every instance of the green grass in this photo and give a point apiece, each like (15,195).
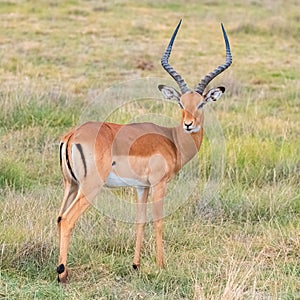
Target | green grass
(58,57)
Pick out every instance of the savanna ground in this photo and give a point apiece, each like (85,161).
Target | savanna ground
(57,56)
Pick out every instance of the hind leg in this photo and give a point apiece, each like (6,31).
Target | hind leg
(71,191)
(73,206)
(66,224)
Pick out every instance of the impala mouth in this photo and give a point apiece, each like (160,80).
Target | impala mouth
(191,130)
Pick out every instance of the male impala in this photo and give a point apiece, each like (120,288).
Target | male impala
(140,155)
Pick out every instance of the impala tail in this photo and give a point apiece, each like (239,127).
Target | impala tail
(65,157)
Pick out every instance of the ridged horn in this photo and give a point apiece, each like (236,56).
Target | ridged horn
(164,62)
(208,78)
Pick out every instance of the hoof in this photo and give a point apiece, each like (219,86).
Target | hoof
(60,269)
(62,278)
(135,266)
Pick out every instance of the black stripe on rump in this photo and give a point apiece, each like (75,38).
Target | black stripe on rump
(79,147)
(68,161)
(60,154)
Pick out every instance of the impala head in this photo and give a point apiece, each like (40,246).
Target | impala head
(192,101)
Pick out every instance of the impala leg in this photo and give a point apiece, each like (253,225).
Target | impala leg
(142,196)
(71,191)
(66,224)
(158,195)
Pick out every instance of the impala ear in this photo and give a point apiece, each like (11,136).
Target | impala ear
(169,92)
(212,95)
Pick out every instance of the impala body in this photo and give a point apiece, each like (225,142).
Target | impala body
(140,155)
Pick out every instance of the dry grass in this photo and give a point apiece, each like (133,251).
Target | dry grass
(56,58)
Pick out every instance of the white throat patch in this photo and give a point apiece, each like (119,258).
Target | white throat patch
(193,130)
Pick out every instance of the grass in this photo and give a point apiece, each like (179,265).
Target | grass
(58,58)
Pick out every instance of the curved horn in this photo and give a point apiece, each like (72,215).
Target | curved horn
(164,62)
(208,78)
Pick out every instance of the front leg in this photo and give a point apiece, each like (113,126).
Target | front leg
(159,192)
(142,196)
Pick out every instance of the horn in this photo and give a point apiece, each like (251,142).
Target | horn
(208,78)
(164,62)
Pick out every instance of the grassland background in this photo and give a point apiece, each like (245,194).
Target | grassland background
(56,56)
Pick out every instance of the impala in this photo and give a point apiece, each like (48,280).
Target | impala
(140,155)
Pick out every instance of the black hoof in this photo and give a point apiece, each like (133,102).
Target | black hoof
(135,266)
(60,269)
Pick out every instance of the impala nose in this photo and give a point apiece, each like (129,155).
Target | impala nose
(188,125)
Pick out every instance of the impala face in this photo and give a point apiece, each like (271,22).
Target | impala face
(192,104)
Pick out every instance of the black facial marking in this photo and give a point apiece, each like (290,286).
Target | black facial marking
(201,105)
(79,147)
(60,269)
(58,279)
(222,89)
(113,163)
(58,219)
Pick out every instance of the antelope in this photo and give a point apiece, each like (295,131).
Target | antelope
(144,156)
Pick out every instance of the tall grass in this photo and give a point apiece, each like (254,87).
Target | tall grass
(58,57)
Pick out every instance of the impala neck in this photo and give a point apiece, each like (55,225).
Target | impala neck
(188,144)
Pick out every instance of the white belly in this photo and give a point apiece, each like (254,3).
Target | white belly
(115,181)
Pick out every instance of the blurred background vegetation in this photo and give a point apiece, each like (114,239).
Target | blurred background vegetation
(57,56)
